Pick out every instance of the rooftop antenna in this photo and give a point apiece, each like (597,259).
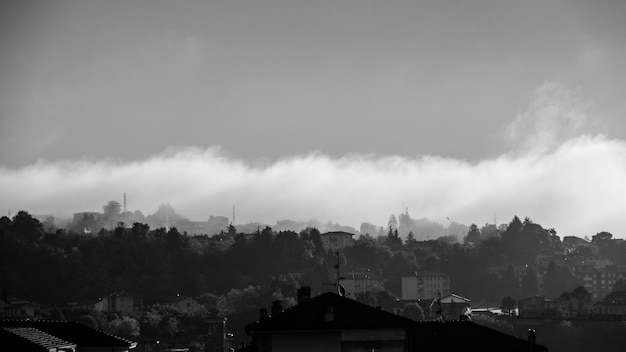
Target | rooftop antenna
(341,291)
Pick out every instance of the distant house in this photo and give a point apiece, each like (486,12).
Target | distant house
(46,335)
(453,306)
(21,309)
(571,243)
(337,240)
(332,323)
(612,305)
(537,307)
(425,285)
(183,304)
(360,282)
(120,302)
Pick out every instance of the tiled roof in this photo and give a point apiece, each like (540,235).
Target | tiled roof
(454,297)
(36,338)
(76,333)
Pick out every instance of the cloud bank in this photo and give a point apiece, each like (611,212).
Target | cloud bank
(555,175)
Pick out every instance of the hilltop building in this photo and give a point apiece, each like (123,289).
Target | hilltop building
(337,240)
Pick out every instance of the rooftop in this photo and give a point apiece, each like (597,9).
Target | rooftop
(73,332)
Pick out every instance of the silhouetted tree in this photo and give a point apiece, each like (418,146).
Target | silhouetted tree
(558,280)
(510,284)
(529,283)
(473,234)
(508,304)
(601,238)
(413,311)
(410,239)
(27,228)
(392,224)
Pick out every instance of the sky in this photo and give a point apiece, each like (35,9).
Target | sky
(346,111)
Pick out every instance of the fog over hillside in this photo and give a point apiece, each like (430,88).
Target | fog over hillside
(555,175)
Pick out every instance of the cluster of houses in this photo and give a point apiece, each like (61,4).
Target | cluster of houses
(538,307)
(597,274)
(330,322)
(327,322)
(121,302)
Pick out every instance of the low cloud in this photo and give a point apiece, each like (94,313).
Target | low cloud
(555,114)
(577,189)
(574,182)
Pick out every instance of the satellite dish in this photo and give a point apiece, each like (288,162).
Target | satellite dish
(341,291)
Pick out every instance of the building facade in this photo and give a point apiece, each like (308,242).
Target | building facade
(337,240)
(120,302)
(425,285)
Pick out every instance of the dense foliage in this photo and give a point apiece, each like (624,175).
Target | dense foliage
(234,274)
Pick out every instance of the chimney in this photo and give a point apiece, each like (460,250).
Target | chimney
(277,307)
(532,339)
(304,294)
(263,313)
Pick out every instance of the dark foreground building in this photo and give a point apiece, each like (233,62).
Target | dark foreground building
(330,322)
(57,336)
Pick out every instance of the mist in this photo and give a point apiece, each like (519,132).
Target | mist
(577,188)
(554,173)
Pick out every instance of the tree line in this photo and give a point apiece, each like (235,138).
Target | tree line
(237,273)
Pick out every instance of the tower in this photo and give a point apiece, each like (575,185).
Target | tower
(124,202)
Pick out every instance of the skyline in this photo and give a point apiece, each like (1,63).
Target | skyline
(338,111)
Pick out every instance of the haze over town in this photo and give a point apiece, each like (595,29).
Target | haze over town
(343,112)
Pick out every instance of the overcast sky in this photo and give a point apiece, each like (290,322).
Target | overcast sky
(335,110)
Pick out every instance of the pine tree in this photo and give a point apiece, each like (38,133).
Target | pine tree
(529,283)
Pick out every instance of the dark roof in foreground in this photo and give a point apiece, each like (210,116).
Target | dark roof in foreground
(30,339)
(70,331)
(350,314)
(347,314)
(468,336)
